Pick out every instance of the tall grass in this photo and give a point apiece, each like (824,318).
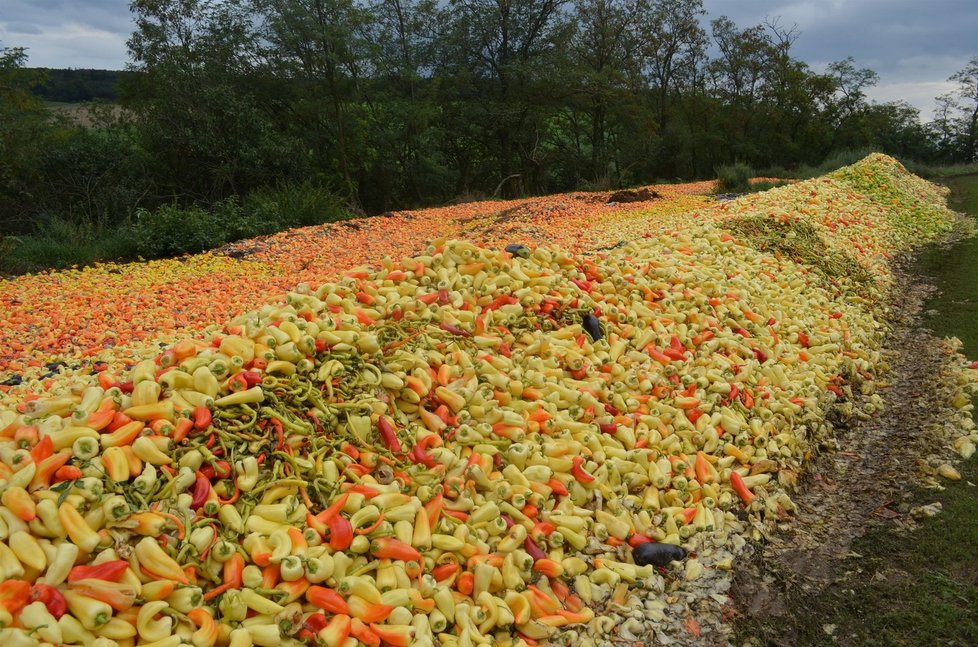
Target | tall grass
(57,243)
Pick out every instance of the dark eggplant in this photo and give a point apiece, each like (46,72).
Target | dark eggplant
(13,380)
(657,554)
(518,250)
(592,327)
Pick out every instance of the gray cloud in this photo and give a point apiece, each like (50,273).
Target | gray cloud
(914,46)
(24,28)
(62,33)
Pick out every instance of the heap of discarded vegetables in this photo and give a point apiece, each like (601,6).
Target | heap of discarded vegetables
(463,447)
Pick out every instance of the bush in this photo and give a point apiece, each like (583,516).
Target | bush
(59,243)
(172,229)
(734,178)
(294,205)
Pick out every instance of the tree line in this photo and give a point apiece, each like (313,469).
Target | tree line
(400,103)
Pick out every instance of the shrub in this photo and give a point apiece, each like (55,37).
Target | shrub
(294,205)
(734,178)
(172,229)
(59,243)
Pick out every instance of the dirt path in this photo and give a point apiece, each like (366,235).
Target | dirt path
(861,480)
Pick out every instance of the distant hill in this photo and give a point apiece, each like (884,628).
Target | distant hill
(73,86)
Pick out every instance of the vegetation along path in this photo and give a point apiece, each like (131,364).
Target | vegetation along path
(875,559)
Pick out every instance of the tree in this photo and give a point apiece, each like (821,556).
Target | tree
(24,134)
(967,92)
(200,98)
(321,46)
(497,51)
(671,39)
(603,48)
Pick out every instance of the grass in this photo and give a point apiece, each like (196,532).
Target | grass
(919,588)
(58,244)
(956,270)
(941,172)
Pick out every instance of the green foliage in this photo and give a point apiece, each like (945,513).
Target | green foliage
(72,86)
(94,174)
(294,205)
(59,243)
(172,229)
(734,178)
(24,131)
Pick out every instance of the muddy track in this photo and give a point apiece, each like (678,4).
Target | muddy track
(860,480)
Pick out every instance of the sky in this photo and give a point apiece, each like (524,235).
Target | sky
(914,45)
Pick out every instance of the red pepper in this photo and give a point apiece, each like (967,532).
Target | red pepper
(327,600)
(608,427)
(738,485)
(444,571)
(390,548)
(443,297)
(110,571)
(761,357)
(14,595)
(747,399)
(340,532)
(578,472)
(333,510)
(455,330)
(583,285)
(803,339)
(202,417)
(202,489)
(222,469)
(693,415)
(52,598)
(533,550)
(238,383)
(558,488)
(43,449)
(388,434)
(317,621)
(674,354)
(501,300)
(419,455)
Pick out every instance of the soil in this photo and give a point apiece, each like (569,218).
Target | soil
(633,195)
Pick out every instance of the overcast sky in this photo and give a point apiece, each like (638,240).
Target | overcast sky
(914,45)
